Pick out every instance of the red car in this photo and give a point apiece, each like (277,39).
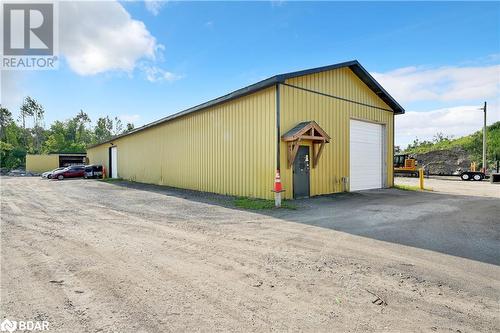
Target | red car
(73,171)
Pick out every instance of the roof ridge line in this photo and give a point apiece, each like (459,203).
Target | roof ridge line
(354,65)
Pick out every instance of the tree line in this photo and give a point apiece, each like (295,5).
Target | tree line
(28,135)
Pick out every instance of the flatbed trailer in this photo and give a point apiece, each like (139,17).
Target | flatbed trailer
(472,175)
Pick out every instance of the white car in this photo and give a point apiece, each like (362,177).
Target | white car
(48,174)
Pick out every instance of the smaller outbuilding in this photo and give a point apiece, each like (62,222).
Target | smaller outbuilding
(46,162)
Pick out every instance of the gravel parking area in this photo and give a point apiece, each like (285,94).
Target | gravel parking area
(454,185)
(91,256)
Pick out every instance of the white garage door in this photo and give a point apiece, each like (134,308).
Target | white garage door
(365,155)
(114,162)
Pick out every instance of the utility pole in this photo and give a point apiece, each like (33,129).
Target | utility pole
(484,141)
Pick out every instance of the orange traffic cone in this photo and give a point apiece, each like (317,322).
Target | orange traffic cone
(277,182)
(277,189)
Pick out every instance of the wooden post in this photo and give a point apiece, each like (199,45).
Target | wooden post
(277,199)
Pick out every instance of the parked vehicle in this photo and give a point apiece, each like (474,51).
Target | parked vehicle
(405,165)
(73,171)
(49,174)
(472,175)
(93,171)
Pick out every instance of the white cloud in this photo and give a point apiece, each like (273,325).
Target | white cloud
(102,36)
(156,74)
(277,3)
(97,37)
(130,118)
(410,84)
(154,6)
(462,88)
(454,121)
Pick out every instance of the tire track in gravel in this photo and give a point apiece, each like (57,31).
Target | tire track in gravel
(150,262)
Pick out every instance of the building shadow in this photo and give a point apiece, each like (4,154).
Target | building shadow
(458,225)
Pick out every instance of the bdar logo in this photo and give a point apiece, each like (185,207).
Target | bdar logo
(8,326)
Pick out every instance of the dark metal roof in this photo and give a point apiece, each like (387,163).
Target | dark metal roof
(296,129)
(354,65)
(59,153)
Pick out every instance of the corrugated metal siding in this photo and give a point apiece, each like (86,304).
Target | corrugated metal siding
(99,155)
(333,116)
(42,163)
(229,149)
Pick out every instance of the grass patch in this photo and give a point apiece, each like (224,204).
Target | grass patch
(110,180)
(258,204)
(410,188)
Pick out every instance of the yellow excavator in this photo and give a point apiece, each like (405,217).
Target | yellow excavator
(405,165)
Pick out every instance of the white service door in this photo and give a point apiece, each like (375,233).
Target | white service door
(366,147)
(114,162)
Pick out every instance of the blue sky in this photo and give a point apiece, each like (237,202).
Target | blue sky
(143,61)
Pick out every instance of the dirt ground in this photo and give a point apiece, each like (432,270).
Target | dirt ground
(90,256)
(454,185)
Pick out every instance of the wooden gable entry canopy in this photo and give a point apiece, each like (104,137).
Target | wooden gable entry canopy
(305,131)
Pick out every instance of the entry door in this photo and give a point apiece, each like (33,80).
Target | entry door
(366,150)
(301,173)
(114,162)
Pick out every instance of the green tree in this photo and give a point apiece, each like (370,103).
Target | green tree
(56,140)
(441,137)
(103,129)
(71,136)
(118,126)
(11,157)
(83,134)
(13,134)
(12,151)
(5,149)
(129,127)
(5,120)
(31,108)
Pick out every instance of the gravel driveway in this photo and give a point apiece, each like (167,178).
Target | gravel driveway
(90,256)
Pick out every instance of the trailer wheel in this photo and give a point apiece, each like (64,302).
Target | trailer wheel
(477,177)
(465,176)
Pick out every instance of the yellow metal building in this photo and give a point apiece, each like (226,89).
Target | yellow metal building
(327,130)
(47,162)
